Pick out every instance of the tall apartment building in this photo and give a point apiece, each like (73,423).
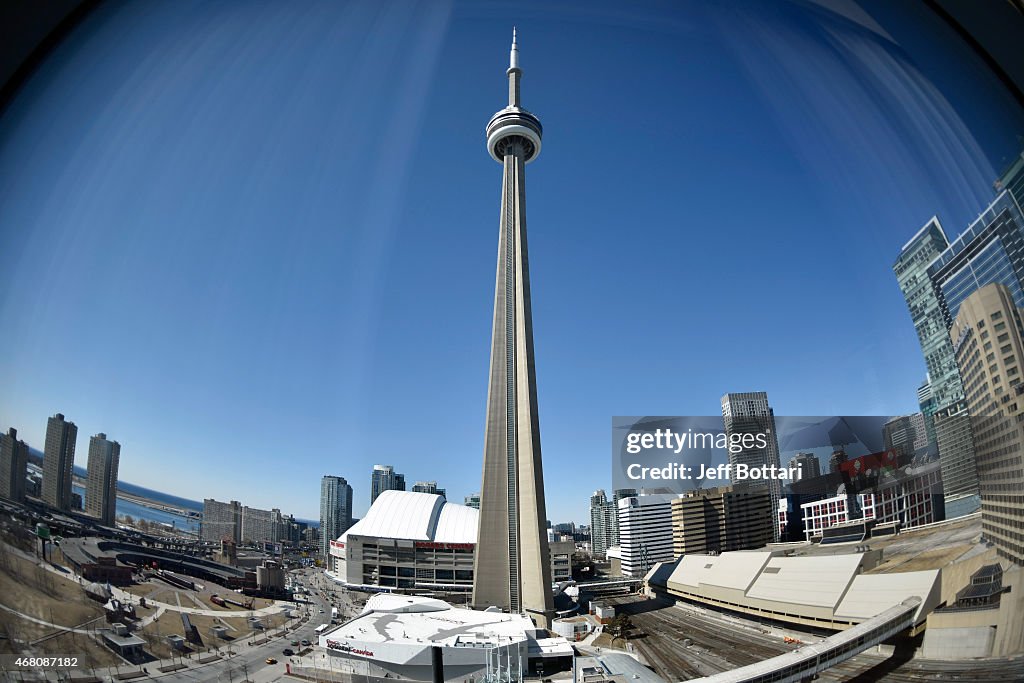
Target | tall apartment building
(720,519)
(58,459)
(384,478)
(645,532)
(429,487)
(604,519)
(261,525)
(101,485)
(221,521)
(335,510)
(988,338)
(924,303)
(600,521)
(472,501)
(956,457)
(13,466)
(808,464)
(750,413)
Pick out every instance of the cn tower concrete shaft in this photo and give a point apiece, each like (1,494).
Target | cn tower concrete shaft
(512,569)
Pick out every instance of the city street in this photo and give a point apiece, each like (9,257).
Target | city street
(250,661)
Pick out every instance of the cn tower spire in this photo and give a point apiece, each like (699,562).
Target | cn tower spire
(514,72)
(511,570)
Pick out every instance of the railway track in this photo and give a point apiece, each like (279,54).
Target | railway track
(713,645)
(718,645)
(664,661)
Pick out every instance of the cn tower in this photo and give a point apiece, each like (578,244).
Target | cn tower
(512,570)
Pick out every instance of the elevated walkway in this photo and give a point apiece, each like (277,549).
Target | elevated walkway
(809,660)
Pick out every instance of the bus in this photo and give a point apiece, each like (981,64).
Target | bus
(321,628)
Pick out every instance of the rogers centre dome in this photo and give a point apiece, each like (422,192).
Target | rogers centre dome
(408,540)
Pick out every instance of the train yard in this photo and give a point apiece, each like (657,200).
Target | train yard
(681,644)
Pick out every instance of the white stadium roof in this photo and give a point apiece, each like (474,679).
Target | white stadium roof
(417,517)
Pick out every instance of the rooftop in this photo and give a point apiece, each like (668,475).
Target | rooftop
(617,667)
(933,546)
(412,619)
(418,517)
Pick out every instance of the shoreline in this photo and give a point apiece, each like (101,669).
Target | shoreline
(191,515)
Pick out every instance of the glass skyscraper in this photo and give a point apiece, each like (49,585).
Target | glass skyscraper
(335,510)
(384,478)
(936,278)
(750,413)
(924,302)
(1012,179)
(990,251)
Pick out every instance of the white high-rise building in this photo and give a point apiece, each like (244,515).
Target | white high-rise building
(645,532)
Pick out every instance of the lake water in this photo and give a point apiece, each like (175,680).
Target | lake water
(136,511)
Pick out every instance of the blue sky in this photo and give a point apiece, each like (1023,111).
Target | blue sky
(255,242)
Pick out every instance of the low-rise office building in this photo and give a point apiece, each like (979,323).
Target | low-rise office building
(913,496)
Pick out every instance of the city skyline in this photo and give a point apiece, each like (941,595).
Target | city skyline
(222,331)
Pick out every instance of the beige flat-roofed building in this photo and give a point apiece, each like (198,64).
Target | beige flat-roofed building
(815,581)
(828,590)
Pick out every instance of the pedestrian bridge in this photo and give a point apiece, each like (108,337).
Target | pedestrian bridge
(809,660)
(612,583)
